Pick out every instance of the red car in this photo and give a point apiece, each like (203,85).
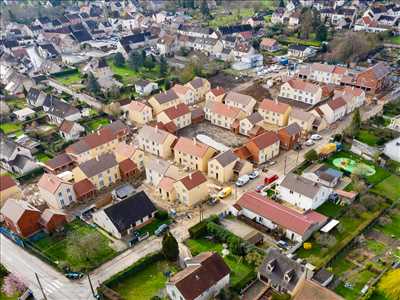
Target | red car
(270,179)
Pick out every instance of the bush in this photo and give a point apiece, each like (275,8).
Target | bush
(200,229)
(162,215)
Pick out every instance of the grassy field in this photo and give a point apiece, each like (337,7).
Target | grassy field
(150,228)
(10,127)
(239,269)
(16,103)
(389,188)
(235,16)
(69,79)
(146,283)
(367,137)
(42,157)
(294,40)
(395,40)
(95,124)
(392,229)
(379,175)
(330,209)
(358,281)
(56,248)
(128,75)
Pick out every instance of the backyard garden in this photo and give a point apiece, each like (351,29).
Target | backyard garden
(68,77)
(79,247)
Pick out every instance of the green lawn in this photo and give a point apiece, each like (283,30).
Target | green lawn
(379,175)
(236,16)
(150,228)
(95,124)
(10,127)
(294,40)
(389,188)
(146,283)
(42,157)
(128,75)
(377,295)
(330,209)
(239,269)
(69,79)
(376,247)
(392,229)
(341,265)
(55,248)
(395,40)
(16,103)
(358,281)
(367,137)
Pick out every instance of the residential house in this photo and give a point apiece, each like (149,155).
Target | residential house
(192,189)
(145,87)
(312,290)
(58,110)
(164,100)
(126,216)
(302,192)
(16,158)
(294,19)
(23,114)
(392,149)
(243,102)
(192,154)
(125,151)
(21,217)
(35,97)
(299,51)
(223,115)
(296,226)
(167,45)
(70,131)
(226,166)
(303,118)
(279,16)
(263,147)
(8,189)
(353,97)
(180,115)
(289,136)
(334,110)
(52,220)
(186,94)
(156,141)
(59,164)
(132,42)
(56,192)
(157,169)
(269,44)
(324,175)
(98,67)
(251,124)
(84,190)
(200,86)
(196,31)
(204,277)
(138,112)
(282,273)
(275,112)
(215,95)
(98,143)
(324,73)
(371,80)
(166,189)
(128,169)
(302,91)
(102,171)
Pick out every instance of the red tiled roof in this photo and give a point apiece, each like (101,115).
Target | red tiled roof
(279,214)
(6,182)
(264,140)
(126,166)
(50,182)
(336,103)
(242,152)
(191,147)
(177,111)
(274,106)
(299,84)
(66,126)
(59,161)
(193,180)
(83,187)
(225,110)
(218,91)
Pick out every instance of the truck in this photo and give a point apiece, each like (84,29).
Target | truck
(329,148)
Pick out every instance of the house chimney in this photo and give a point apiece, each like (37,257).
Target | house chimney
(194,141)
(97,158)
(190,176)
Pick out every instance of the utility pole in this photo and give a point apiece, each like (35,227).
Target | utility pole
(91,285)
(40,285)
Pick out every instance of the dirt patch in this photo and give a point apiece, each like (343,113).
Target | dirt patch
(257,91)
(225,81)
(221,135)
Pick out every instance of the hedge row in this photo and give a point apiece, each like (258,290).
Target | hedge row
(200,229)
(136,267)
(66,72)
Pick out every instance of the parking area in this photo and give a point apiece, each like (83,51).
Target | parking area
(221,135)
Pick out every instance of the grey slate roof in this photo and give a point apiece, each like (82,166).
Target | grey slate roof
(300,185)
(127,212)
(165,97)
(226,158)
(281,265)
(254,118)
(98,165)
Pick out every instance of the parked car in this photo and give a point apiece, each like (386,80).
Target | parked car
(74,275)
(309,142)
(316,137)
(225,192)
(254,174)
(213,201)
(242,180)
(161,230)
(282,244)
(271,163)
(259,188)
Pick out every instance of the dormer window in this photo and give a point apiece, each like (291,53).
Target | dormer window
(271,265)
(288,275)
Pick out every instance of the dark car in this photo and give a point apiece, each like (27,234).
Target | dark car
(74,275)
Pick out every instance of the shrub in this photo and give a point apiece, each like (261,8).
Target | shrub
(162,215)
(170,247)
(200,229)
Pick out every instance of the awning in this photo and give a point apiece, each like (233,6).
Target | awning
(328,227)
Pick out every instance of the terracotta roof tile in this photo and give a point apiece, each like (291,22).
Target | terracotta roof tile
(193,180)
(83,187)
(264,140)
(274,106)
(191,147)
(177,111)
(6,182)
